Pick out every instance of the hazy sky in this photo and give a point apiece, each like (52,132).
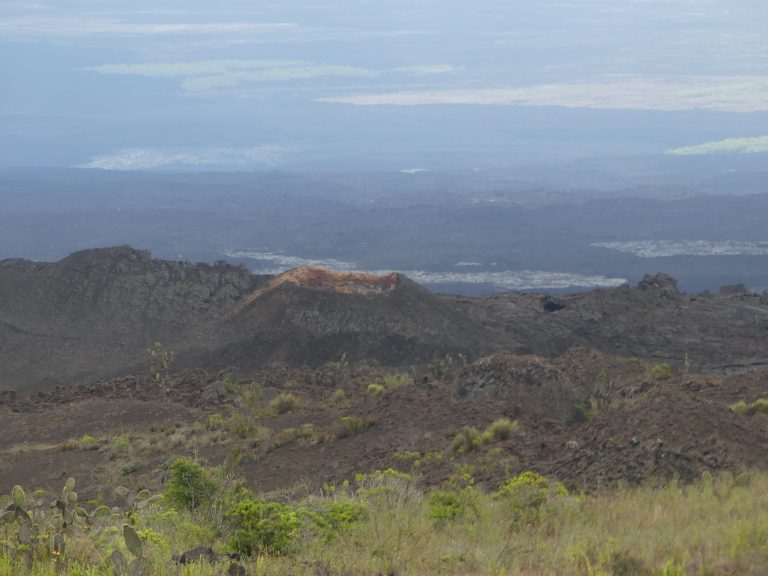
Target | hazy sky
(361,84)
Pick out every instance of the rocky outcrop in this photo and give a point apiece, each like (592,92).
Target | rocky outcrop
(661,284)
(528,386)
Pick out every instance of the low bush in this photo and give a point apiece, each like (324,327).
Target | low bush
(467,440)
(245,425)
(662,371)
(262,527)
(759,406)
(530,496)
(350,426)
(290,435)
(87,442)
(190,485)
(397,380)
(215,422)
(501,429)
(375,390)
(342,515)
(444,506)
(470,439)
(284,403)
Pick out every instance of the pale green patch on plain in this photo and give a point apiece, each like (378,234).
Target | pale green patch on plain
(207,75)
(194,68)
(426,70)
(757,145)
(233,79)
(724,93)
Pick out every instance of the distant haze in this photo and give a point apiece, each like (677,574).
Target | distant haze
(396,85)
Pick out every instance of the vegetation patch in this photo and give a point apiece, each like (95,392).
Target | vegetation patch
(284,403)
(387,523)
(375,390)
(759,406)
(190,485)
(351,426)
(262,527)
(339,396)
(530,497)
(662,371)
(470,439)
(87,442)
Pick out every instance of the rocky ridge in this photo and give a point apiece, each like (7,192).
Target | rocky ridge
(96,313)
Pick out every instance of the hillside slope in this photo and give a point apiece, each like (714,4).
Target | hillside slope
(95,314)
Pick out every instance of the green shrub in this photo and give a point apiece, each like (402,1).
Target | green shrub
(397,380)
(120,443)
(245,425)
(350,426)
(662,371)
(444,506)
(284,403)
(739,408)
(408,456)
(759,406)
(190,485)
(468,440)
(291,435)
(339,396)
(264,527)
(530,496)
(502,429)
(215,422)
(375,390)
(87,442)
(344,514)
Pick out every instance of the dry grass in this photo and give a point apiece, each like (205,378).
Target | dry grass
(715,527)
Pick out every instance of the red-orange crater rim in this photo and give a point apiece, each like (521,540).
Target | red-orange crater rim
(326,280)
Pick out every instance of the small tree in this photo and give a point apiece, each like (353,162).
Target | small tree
(190,485)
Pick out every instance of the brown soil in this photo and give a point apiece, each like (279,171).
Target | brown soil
(642,428)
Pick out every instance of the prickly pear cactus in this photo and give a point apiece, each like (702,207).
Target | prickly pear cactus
(40,531)
(133,542)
